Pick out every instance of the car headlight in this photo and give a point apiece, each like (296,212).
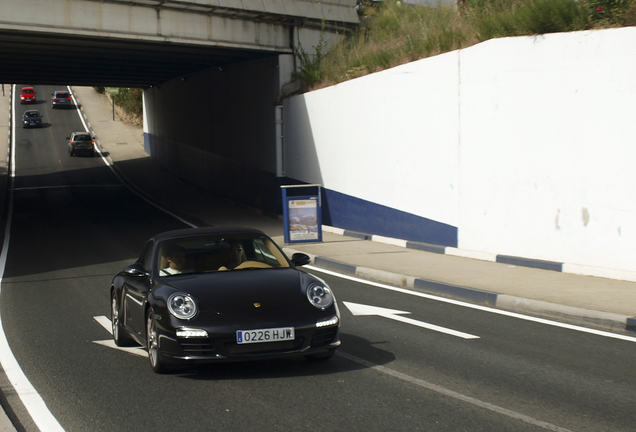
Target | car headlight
(320,295)
(182,306)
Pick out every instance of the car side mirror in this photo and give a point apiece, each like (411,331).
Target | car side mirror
(300,259)
(136,270)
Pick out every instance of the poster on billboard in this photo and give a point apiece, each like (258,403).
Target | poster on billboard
(302,218)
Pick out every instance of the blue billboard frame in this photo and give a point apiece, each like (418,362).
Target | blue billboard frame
(302,216)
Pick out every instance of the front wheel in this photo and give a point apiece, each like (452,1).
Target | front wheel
(152,338)
(120,336)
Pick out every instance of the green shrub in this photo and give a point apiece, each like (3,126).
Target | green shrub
(130,100)
(526,17)
(393,32)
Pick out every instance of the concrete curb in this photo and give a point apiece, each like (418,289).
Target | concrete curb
(577,269)
(573,315)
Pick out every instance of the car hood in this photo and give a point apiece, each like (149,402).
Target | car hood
(240,291)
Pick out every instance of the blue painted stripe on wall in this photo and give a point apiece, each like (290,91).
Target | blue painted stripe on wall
(528,262)
(350,213)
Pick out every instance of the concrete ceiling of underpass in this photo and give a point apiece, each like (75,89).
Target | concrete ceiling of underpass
(40,58)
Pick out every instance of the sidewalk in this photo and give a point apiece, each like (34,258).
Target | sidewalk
(585,300)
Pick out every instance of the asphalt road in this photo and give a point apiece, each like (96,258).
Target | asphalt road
(74,226)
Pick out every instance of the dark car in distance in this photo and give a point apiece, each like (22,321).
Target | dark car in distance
(27,95)
(81,142)
(206,295)
(31,118)
(61,98)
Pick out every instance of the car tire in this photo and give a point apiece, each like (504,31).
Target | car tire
(71,153)
(322,356)
(120,336)
(152,344)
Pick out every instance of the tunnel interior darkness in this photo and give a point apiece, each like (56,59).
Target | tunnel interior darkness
(60,59)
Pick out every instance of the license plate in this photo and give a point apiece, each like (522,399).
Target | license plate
(265,335)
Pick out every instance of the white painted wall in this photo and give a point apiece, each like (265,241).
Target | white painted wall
(527,144)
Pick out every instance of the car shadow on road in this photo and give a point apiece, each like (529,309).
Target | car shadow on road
(352,347)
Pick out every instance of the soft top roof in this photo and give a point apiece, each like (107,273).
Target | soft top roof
(189,232)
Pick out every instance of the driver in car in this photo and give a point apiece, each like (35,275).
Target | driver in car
(234,256)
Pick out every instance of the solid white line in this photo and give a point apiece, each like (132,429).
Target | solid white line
(32,401)
(479,307)
(453,394)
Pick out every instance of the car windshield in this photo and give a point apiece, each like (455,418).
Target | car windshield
(27,91)
(216,253)
(32,114)
(82,138)
(61,95)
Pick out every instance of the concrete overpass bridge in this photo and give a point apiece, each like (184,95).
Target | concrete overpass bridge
(139,43)
(211,69)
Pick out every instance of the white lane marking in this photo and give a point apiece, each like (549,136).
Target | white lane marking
(478,307)
(453,394)
(131,350)
(360,309)
(32,401)
(109,164)
(107,324)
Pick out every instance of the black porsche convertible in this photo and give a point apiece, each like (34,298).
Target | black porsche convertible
(205,295)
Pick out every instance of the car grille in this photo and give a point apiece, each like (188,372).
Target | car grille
(264,348)
(324,336)
(197,347)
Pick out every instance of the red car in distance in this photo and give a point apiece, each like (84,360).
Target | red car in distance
(27,94)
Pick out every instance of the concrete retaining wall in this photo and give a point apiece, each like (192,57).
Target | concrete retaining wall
(518,146)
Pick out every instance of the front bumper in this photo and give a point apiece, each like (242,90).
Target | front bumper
(222,346)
